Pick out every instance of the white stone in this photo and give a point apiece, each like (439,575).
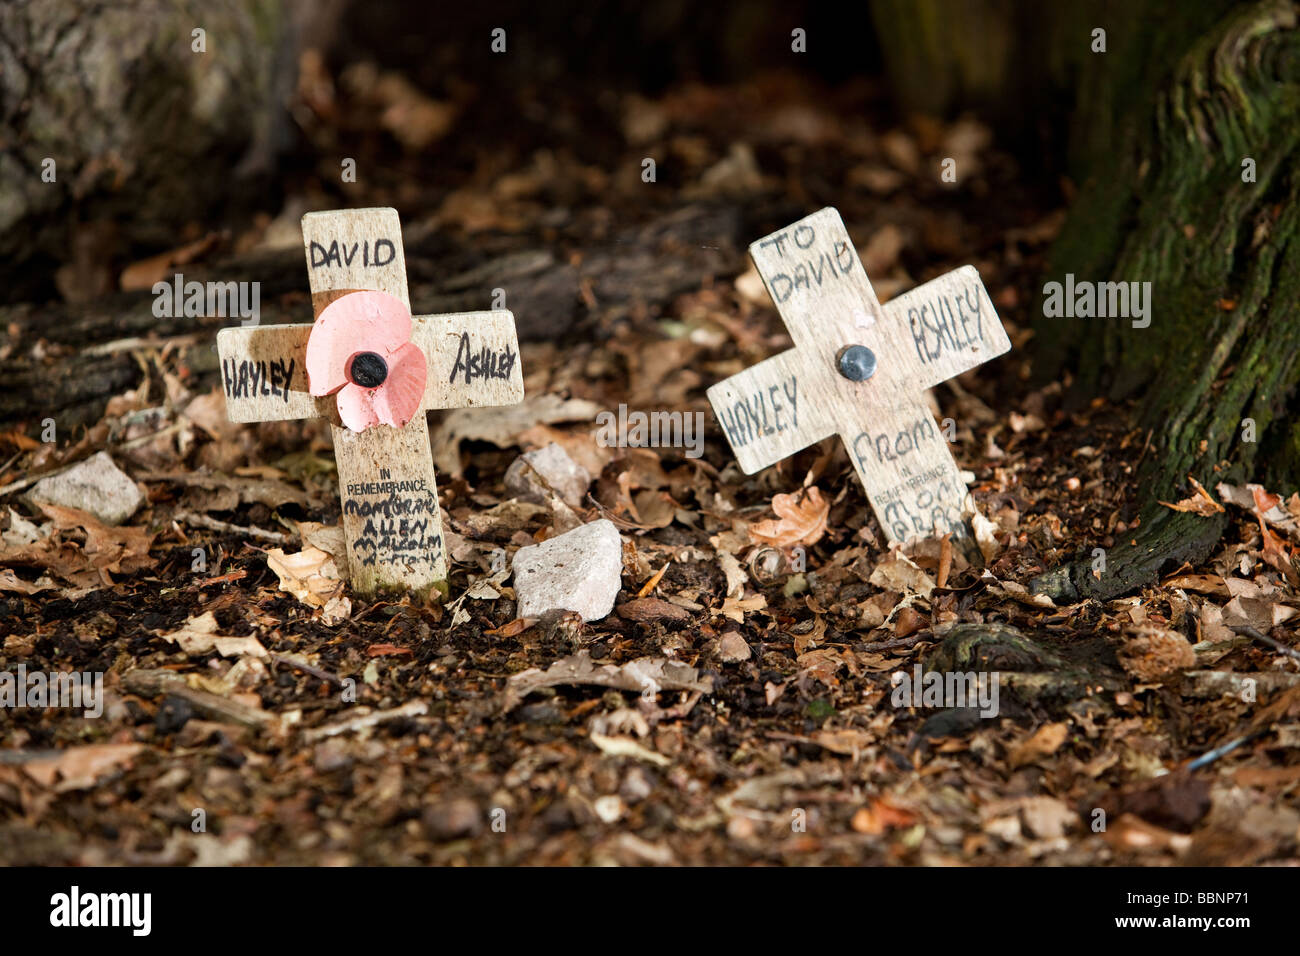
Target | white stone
(96,485)
(534,475)
(580,570)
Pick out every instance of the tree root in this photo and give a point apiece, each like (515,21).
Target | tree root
(1164,540)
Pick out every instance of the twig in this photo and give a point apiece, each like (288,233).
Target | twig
(22,483)
(308,669)
(212,524)
(1146,446)
(1275,644)
(890,644)
(1208,758)
(156,683)
(411,709)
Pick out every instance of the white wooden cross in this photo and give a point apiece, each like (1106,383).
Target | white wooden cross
(860,370)
(391,520)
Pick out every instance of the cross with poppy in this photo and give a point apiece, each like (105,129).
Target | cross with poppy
(860,369)
(373,370)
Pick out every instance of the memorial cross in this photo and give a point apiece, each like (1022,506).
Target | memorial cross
(373,370)
(859,370)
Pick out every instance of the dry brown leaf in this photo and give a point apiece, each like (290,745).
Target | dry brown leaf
(1152,652)
(121,550)
(388,650)
(1044,742)
(144,273)
(199,636)
(12,582)
(802,520)
(897,572)
(880,816)
(312,577)
(79,767)
(1199,503)
(512,628)
(652,609)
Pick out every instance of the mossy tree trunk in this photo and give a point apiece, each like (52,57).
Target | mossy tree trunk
(1162,124)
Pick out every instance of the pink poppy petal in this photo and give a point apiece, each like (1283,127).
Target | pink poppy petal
(397,401)
(357,322)
(357,407)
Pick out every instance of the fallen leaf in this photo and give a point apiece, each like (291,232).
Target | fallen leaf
(1044,742)
(199,636)
(79,767)
(146,272)
(1149,653)
(986,536)
(652,609)
(388,650)
(881,815)
(626,747)
(12,582)
(512,628)
(897,572)
(802,520)
(1199,503)
(312,577)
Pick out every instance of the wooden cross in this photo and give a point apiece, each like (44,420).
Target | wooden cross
(387,487)
(859,370)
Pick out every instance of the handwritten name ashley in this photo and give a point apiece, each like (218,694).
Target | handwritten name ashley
(764,412)
(945,322)
(485,363)
(245,379)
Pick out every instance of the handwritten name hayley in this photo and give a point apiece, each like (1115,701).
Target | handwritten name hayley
(250,379)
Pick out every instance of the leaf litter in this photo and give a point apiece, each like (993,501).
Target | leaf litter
(725,690)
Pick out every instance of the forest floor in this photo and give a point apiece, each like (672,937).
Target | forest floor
(243,724)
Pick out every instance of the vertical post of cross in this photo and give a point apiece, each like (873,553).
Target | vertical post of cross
(387,486)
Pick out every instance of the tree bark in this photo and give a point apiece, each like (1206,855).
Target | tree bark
(556,289)
(117,130)
(1163,122)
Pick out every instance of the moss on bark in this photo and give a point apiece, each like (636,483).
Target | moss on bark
(1161,125)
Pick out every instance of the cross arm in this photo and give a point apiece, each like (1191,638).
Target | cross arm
(473,359)
(263,376)
(945,327)
(773,409)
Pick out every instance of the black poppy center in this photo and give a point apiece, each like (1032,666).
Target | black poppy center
(369,369)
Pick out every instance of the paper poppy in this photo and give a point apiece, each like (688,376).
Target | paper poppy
(360,346)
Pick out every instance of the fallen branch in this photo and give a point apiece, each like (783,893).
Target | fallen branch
(413,708)
(646,674)
(212,524)
(156,683)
